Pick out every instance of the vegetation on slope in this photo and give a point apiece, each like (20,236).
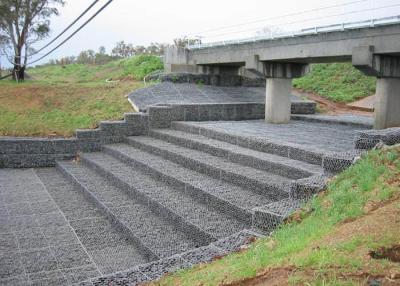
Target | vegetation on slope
(59,99)
(339,82)
(135,68)
(140,66)
(330,242)
(41,109)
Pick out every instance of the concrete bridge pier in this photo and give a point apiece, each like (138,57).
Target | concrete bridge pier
(278,90)
(387,70)
(387,105)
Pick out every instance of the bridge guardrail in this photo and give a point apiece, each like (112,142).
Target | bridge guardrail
(303,32)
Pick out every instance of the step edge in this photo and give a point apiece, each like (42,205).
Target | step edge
(308,156)
(177,220)
(268,219)
(245,214)
(179,260)
(148,253)
(263,188)
(303,172)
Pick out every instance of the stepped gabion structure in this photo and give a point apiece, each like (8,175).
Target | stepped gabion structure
(163,190)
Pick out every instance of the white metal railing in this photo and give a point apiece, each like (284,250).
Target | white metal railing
(308,31)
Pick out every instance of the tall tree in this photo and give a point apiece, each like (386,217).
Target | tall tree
(86,57)
(102,50)
(123,50)
(23,23)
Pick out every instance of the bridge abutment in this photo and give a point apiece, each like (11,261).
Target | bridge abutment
(278,89)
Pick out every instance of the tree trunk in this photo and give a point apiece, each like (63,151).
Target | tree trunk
(18,73)
(21,74)
(19,69)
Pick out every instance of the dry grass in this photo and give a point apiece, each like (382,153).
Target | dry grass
(57,101)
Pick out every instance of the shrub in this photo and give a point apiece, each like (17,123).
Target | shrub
(140,66)
(339,82)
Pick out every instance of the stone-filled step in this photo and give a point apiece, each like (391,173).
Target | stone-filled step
(109,249)
(264,161)
(266,145)
(227,197)
(169,200)
(270,216)
(152,233)
(265,183)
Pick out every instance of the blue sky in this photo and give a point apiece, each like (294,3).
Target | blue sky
(143,22)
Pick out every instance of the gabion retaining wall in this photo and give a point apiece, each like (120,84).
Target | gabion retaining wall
(43,152)
(368,139)
(209,79)
(161,116)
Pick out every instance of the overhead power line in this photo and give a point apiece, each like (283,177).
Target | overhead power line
(307,20)
(66,29)
(74,33)
(277,17)
(6,76)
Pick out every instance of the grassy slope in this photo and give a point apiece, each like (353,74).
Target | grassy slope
(328,242)
(339,82)
(57,100)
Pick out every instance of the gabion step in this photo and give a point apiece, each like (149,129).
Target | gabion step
(275,164)
(150,231)
(156,269)
(109,249)
(227,197)
(274,186)
(269,217)
(201,219)
(268,145)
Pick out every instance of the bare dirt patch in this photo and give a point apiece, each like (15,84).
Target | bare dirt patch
(271,276)
(392,253)
(329,107)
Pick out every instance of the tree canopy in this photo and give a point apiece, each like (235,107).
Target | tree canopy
(23,23)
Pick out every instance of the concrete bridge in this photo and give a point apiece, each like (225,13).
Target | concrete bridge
(374,50)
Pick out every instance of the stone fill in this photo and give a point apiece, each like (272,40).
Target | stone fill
(164,199)
(316,136)
(39,245)
(170,93)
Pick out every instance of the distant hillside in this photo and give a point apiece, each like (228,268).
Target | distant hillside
(133,68)
(339,82)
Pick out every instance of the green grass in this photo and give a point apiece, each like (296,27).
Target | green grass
(339,82)
(57,109)
(56,100)
(291,244)
(136,68)
(140,66)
